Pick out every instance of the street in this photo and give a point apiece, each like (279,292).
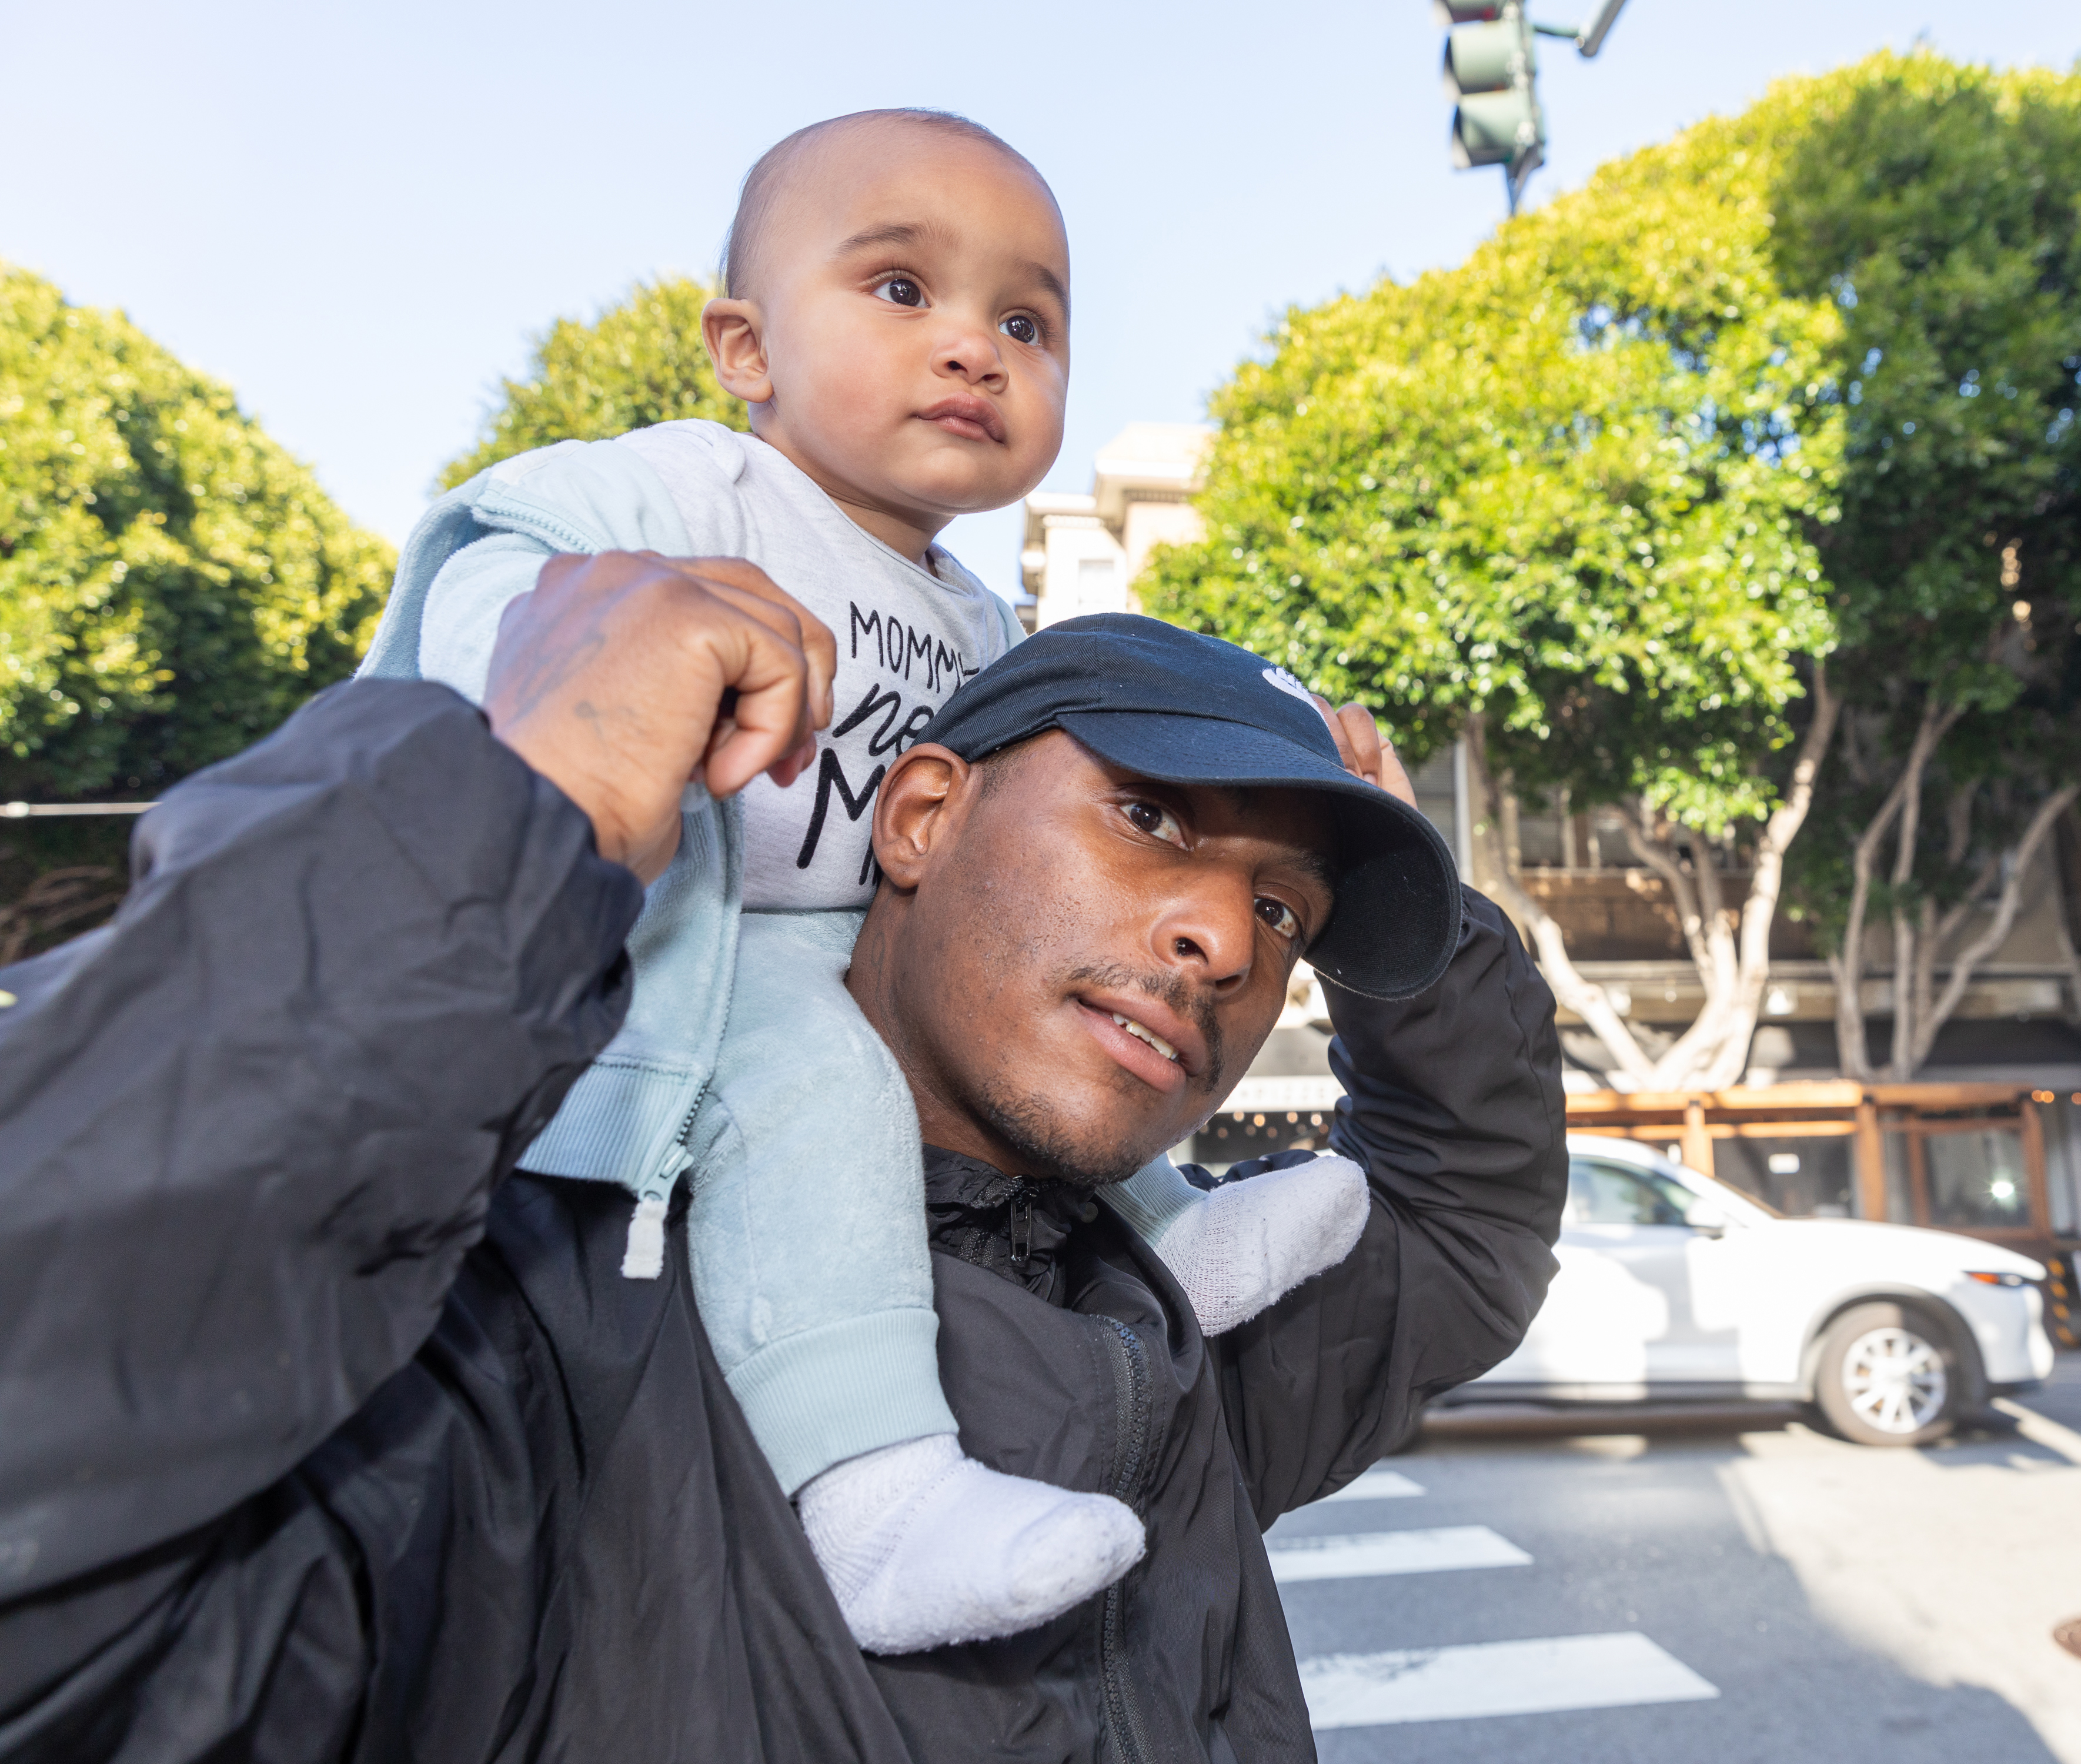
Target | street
(1752,1591)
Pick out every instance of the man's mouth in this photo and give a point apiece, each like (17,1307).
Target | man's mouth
(974,419)
(1150,1035)
(1160,1061)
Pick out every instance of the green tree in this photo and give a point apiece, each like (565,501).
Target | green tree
(1563,501)
(639,363)
(1939,208)
(172,583)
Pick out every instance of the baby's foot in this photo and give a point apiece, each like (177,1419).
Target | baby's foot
(1251,1242)
(924,1546)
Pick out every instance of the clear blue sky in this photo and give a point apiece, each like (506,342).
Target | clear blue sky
(361,217)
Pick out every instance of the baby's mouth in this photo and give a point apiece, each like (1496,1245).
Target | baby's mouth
(974,419)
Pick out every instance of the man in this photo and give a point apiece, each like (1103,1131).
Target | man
(323,1436)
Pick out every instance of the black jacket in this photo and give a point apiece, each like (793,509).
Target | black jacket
(323,1436)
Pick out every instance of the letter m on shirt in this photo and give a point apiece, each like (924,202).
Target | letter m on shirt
(830,775)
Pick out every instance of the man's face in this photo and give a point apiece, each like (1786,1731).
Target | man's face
(911,294)
(1080,964)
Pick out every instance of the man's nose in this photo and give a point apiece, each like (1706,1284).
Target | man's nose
(966,348)
(1211,931)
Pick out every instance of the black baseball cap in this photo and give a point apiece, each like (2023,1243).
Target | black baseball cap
(1182,708)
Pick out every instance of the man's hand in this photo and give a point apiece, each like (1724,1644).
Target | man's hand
(623,676)
(1366,753)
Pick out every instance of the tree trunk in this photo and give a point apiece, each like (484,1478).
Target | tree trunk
(1767,885)
(1920,934)
(2063,929)
(1732,956)
(1847,966)
(1929,1015)
(1584,998)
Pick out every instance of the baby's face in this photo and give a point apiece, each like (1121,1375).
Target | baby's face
(912,290)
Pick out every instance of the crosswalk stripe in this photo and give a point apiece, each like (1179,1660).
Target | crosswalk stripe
(1391,1552)
(1495,1678)
(1377,1484)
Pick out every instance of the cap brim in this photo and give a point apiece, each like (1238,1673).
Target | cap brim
(1395,921)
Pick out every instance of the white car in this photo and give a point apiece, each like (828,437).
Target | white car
(1673,1287)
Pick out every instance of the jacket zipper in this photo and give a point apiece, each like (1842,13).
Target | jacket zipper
(1130,1409)
(1022,1224)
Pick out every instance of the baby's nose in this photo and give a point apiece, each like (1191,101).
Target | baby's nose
(971,352)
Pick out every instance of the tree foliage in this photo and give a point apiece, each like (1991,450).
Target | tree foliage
(1571,487)
(172,583)
(639,363)
(1565,501)
(1603,498)
(1939,208)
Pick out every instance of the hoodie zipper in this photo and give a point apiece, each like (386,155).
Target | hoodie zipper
(1130,1376)
(644,1258)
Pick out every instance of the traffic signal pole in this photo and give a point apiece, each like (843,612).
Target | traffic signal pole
(1492,71)
(1590,38)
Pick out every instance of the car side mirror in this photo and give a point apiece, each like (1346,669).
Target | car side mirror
(1708,1221)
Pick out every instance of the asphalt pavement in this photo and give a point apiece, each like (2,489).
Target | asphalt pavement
(1746,1589)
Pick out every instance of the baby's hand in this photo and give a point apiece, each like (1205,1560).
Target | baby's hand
(1366,753)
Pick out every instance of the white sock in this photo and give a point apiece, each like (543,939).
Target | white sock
(924,1546)
(1251,1242)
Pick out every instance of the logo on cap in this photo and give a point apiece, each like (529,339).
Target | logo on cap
(1291,687)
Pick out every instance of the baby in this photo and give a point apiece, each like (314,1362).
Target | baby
(896,318)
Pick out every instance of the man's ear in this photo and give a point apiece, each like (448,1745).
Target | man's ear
(735,334)
(910,810)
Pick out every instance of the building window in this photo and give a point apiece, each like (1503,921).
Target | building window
(1801,1175)
(1977,1179)
(1097,585)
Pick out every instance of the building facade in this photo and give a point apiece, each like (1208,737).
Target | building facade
(1083,552)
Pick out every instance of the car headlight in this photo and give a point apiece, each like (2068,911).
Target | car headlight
(1994,1279)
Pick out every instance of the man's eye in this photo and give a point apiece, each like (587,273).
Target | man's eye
(1280,916)
(1020,329)
(900,291)
(1153,819)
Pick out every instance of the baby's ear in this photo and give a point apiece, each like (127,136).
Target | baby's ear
(734,332)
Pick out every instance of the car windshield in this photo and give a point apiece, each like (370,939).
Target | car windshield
(1745,1197)
(1602,1193)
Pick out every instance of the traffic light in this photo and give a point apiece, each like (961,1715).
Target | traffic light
(1492,71)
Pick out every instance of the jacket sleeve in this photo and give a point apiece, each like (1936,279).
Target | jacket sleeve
(1453,1106)
(249,1130)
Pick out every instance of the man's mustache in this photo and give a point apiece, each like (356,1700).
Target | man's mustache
(1173,991)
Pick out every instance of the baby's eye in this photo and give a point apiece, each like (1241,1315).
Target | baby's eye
(1153,819)
(1280,916)
(1021,329)
(900,291)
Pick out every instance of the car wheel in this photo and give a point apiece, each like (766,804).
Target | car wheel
(1888,1375)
